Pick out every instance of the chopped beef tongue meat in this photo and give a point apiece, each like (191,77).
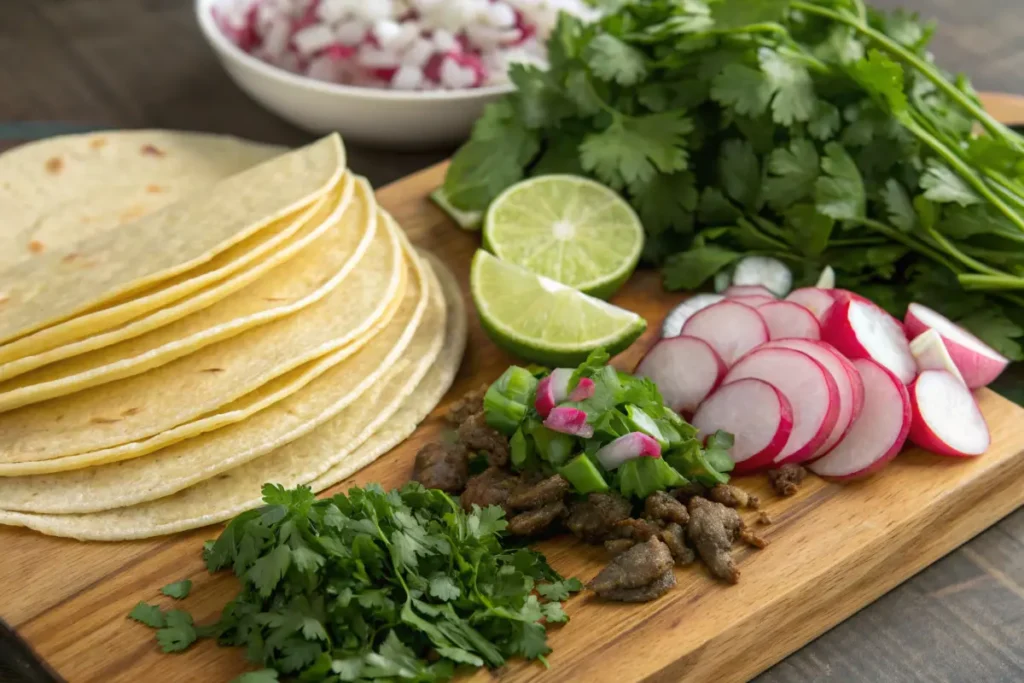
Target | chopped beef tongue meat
(491,487)
(642,573)
(637,529)
(466,407)
(619,545)
(764,518)
(734,497)
(477,436)
(684,493)
(442,466)
(750,537)
(594,519)
(534,494)
(713,528)
(674,536)
(661,506)
(787,479)
(536,521)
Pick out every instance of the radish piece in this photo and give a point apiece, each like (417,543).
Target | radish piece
(787,320)
(827,279)
(817,301)
(860,329)
(844,294)
(730,328)
(568,420)
(686,370)
(758,416)
(632,445)
(584,389)
(552,390)
(753,300)
(723,279)
(810,390)
(677,317)
(770,273)
(946,419)
(847,379)
(878,434)
(748,290)
(930,353)
(978,362)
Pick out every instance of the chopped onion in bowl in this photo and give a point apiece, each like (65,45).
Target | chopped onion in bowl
(396,44)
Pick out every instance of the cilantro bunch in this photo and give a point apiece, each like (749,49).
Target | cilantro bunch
(373,585)
(815,131)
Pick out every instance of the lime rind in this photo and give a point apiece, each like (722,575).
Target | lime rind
(467,220)
(567,228)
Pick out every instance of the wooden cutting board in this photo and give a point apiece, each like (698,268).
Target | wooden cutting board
(834,548)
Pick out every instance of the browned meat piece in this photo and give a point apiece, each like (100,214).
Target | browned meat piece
(470,404)
(674,536)
(476,436)
(662,506)
(619,545)
(652,591)
(637,529)
(764,518)
(442,466)
(684,493)
(750,537)
(713,528)
(594,519)
(786,480)
(529,495)
(533,522)
(734,497)
(638,566)
(493,486)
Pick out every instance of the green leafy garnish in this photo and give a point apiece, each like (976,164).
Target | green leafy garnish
(178,590)
(147,614)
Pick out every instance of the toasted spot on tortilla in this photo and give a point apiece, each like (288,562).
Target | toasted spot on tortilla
(105,420)
(36,247)
(54,165)
(132,214)
(4,298)
(154,189)
(71,257)
(98,143)
(153,151)
(130,411)
(212,370)
(275,298)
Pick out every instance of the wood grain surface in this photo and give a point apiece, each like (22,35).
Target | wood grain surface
(133,63)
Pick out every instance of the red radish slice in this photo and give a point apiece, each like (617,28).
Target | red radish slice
(847,379)
(860,329)
(817,301)
(878,434)
(756,414)
(787,320)
(585,389)
(978,362)
(632,445)
(552,390)
(753,300)
(569,420)
(748,290)
(930,353)
(677,317)
(946,420)
(730,328)
(810,390)
(686,370)
(844,294)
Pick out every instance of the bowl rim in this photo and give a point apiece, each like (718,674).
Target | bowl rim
(216,38)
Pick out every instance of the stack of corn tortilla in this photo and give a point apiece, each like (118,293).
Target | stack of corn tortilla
(185,317)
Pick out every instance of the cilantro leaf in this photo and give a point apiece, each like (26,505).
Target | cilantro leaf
(178,632)
(995,329)
(898,206)
(261,676)
(630,151)
(559,590)
(747,91)
(444,588)
(740,172)
(944,186)
(883,78)
(824,120)
(731,14)
(667,202)
(690,269)
(486,521)
(530,641)
(811,229)
(793,171)
(613,60)
(147,614)
(840,192)
(790,82)
(268,571)
(178,590)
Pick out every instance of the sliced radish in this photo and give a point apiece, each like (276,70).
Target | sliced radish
(978,362)
(686,370)
(730,328)
(753,300)
(787,320)
(817,301)
(569,420)
(946,418)
(827,279)
(758,416)
(585,389)
(677,317)
(930,353)
(632,445)
(878,434)
(748,290)
(860,329)
(770,273)
(847,379)
(810,390)
(552,390)
(843,294)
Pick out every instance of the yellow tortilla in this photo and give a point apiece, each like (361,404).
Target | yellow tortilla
(291,286)
(69,280)
(360,434)
(188,462)
(107,422)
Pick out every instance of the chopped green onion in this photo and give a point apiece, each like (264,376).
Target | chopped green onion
(640,421)
(507,400)
(552,446)
(517,384)
(522,450)
(691,463)
(583,474)
(640,477)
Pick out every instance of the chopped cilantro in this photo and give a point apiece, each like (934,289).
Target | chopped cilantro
(178,590)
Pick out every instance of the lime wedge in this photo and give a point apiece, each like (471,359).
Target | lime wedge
(467,220)
(566,228)
(544,321)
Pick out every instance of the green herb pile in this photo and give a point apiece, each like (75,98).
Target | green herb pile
(401,585)
(621,404)
(814,131)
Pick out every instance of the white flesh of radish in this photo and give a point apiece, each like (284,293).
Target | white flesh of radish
(827,279)
(949,415)
(730,328)
(754,412)
(979,363)
(817,301)
(677,317)
(685,369)
(748,290)
(765,271)
(881,337)
(788,320)
(930,353)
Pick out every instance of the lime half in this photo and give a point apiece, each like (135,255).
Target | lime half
(566,228)
(544,321)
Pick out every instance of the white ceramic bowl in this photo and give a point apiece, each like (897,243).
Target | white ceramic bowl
(384,118)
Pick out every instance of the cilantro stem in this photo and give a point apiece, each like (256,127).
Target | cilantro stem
(962,257)
(976,281)
(906,241)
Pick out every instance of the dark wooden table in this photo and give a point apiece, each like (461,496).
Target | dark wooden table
(134,63)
